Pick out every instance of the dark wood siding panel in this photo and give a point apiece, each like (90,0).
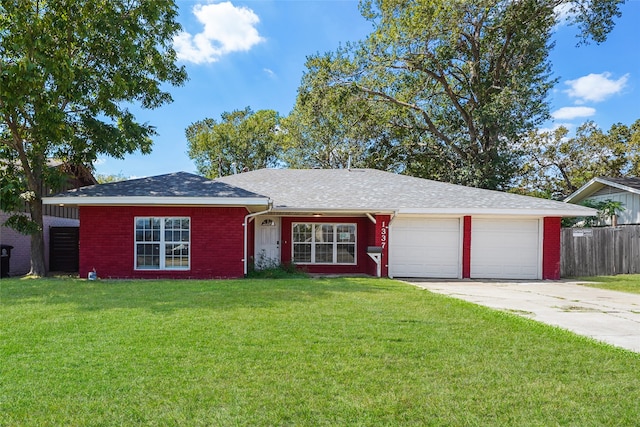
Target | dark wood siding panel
(61,211)
(64,249)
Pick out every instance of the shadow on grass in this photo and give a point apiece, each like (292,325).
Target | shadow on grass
(170,295)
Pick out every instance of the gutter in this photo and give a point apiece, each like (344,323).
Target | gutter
(246,243)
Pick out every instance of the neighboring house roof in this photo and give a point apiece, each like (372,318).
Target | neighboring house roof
(79,176)
(370,190)
(631,185)
(178,188)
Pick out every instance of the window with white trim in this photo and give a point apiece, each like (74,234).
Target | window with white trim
(162,243)
(324,243)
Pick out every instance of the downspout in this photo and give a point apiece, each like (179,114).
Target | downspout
(246,234)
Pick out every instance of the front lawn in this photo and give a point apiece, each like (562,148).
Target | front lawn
(622,282)
(293,352)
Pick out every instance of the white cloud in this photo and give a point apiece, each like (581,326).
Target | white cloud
(570,113)
(269,72)
(227,29)
(595,87)
(564,12)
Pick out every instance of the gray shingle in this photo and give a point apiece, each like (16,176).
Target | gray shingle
(178,184)
(627,182)
(374,190)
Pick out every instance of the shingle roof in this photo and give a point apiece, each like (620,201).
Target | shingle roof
(178,184)
(631,184)
(374,190)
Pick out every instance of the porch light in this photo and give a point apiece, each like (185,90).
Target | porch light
(316,215)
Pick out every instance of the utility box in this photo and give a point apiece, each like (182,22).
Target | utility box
(5,258)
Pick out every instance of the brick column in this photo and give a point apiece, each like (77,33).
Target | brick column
(382,239)
(466,247)
(551,248)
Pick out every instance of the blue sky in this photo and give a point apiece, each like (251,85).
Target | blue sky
(252,53)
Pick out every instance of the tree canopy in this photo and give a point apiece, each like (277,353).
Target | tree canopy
(69,70)
(557,165)
(332,127)
(242,140)
(466,79)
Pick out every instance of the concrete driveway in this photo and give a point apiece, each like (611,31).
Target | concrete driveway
(608,316)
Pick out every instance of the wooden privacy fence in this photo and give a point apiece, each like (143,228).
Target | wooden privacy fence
(600,251)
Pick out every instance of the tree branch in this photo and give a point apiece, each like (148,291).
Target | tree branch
(431,126)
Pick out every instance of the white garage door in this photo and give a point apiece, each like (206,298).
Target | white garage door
(505,249)
(420,247)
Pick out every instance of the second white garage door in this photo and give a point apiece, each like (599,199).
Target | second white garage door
(420,247)
(505,249)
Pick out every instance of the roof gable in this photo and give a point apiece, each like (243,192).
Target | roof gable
(631,185)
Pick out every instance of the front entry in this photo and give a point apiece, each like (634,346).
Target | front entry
(267,248)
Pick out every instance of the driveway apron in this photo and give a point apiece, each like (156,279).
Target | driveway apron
(608,316)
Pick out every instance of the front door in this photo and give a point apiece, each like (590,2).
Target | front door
(267,252)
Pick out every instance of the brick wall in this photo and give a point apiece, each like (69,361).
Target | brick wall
(107,241)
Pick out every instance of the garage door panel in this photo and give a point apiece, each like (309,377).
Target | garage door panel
(502,271)
(505,249)
(422,247)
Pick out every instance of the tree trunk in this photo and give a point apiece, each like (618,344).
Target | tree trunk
(38,266)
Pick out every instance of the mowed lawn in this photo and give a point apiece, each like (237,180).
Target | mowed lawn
(622,282)
(312,352)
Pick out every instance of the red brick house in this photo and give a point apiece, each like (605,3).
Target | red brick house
(325,221)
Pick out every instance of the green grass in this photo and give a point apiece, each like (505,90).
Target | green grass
(293,352)
(622,282)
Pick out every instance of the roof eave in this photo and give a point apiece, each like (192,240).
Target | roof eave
(594,185)
(569,211)
(331,211)
(156,201)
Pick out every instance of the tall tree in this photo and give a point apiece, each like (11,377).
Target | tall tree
(557,165)
(471,75)
(68,71)
(242,140)
(332,127)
